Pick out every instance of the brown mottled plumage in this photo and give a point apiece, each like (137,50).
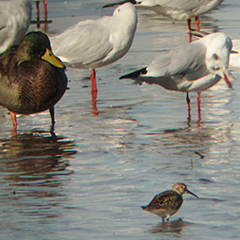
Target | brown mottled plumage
(168,202)
(32,79)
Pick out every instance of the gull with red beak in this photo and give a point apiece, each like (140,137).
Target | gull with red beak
(192,67)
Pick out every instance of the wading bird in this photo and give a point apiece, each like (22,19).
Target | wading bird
(192,67)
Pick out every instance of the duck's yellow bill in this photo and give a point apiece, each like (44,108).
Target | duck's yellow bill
(49,57)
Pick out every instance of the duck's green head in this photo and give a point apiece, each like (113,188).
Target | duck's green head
(36,45)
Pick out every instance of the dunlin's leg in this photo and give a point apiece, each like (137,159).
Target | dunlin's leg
(189,109)
(94,92)
(199,108)
(163,219)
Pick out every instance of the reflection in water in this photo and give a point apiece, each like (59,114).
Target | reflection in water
(195,140)
(33,177)
(34,156)
(169,227)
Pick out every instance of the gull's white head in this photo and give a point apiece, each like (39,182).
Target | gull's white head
(218,47)
(125,9)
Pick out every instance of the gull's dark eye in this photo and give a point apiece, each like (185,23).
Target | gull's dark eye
(215,56)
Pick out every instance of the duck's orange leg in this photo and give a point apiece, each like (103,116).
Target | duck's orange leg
(14,120)
(51,111)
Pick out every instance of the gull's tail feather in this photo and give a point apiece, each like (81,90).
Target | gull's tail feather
(134,75)
(119,3)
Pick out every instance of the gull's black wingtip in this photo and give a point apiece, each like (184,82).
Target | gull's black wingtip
(110,5)
(134,75)
(119,3)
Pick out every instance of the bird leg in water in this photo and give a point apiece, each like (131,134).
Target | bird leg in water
(38,14)
(14,119)
(189,109)
(51,111)
(45,13)
(94,92)
(199,108)
(189,30)
(197,23)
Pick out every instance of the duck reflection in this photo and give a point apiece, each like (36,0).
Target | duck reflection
(35,156)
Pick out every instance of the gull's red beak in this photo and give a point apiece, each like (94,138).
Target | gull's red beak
(227,80)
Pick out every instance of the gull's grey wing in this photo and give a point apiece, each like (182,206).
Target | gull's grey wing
(83,43)
(186,5)
(3,25)
(181,5)
(207,5)
(187,61)
(15,17)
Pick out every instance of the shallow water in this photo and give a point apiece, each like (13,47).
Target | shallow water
(88,179)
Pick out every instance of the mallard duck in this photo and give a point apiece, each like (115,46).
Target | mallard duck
(96,43)
(192,67)
(32,79)
(15,17)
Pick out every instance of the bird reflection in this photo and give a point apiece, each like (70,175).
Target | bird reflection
(35,156)
(169,227)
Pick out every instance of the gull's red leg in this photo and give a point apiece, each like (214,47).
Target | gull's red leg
(94,92)
(199,108)
(189,109)
(38,14)
(197,23)
(189,29)
(45,13)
